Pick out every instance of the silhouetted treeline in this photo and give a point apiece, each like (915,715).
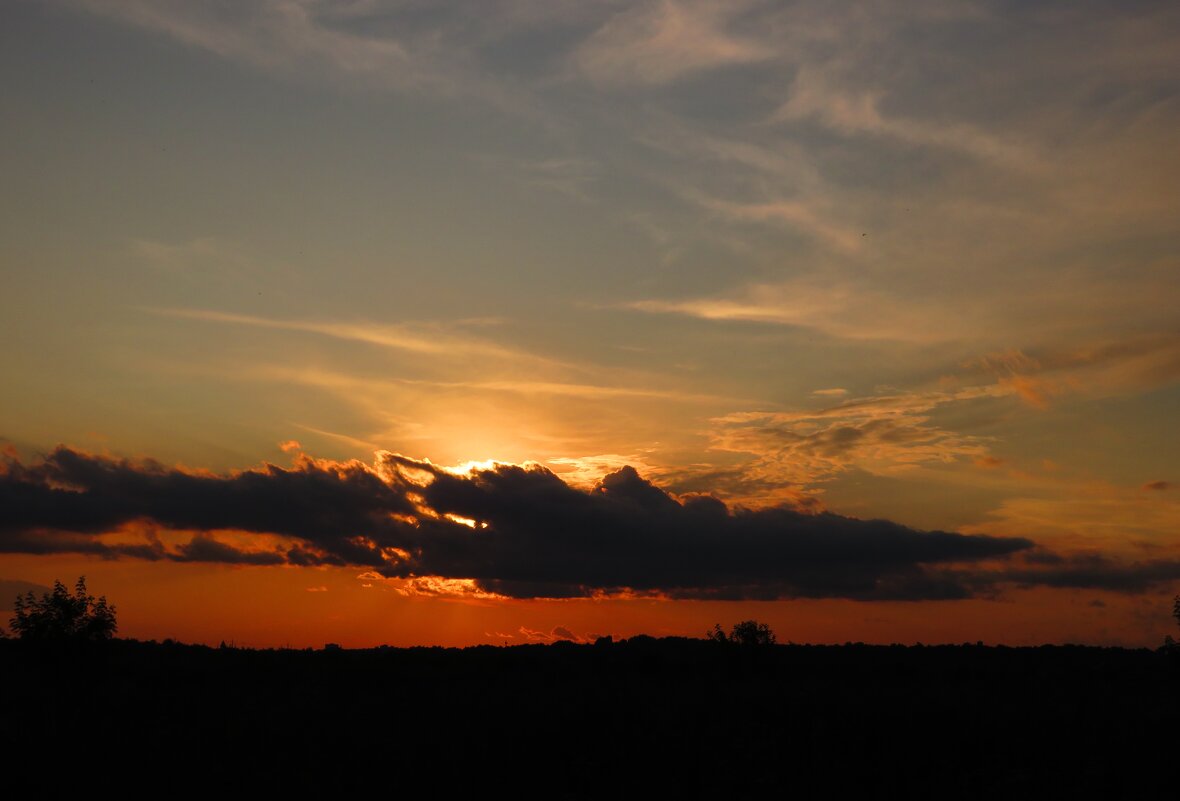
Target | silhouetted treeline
(615,719)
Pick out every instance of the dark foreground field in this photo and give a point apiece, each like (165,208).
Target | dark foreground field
(627,719)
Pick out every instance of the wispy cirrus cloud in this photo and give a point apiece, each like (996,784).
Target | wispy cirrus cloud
(836,308)
(1098,369)
(858,112)
(430,340)
(796,214)
(790,454)
(885,435)
(358,385)
(658,42)
(280,35)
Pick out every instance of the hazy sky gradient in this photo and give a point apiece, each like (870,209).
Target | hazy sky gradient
(911,261)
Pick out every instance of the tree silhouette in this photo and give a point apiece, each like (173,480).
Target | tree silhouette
(748,632)
(717,634)
(62,616)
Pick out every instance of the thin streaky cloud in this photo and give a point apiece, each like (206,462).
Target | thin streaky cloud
(858,112)
(403,338)
(270,35)
(306,40)
(660,42)
(883,436)
(579,390)
(793,213)
(836,308)
(345,438)
(877,407)
(350,383)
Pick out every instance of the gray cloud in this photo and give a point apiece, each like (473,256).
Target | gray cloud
(517,531)
(10,588)
(1098,572)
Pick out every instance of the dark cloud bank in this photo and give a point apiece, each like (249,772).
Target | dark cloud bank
(534,535)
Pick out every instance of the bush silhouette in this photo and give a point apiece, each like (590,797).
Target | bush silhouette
(748,632)
(62,616)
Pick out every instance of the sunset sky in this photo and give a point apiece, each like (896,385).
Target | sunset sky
(501,321)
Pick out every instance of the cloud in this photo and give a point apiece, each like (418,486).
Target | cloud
(785,456)
(585,472)
(10,588)
(204,548)
(1098,572)
(556,634)
(1095,369)
(533,534)
(333,435)
(858,112)
(1158,485)
(562,633)
(836,308)
(654,43)
(796,214)
(440,587)
(842,116)
(419,339)
(883,435)
(70,495)
(281,36)
(457,50)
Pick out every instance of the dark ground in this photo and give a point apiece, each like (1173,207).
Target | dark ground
(637,718)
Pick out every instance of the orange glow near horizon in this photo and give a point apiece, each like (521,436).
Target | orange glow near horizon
(271,607)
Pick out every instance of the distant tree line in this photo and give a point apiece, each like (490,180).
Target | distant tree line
(748,633)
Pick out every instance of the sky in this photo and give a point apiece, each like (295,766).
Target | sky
(456,322)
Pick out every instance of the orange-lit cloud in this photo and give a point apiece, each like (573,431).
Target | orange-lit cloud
(556,634)
(440,587)
(885,435)
(424,339)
